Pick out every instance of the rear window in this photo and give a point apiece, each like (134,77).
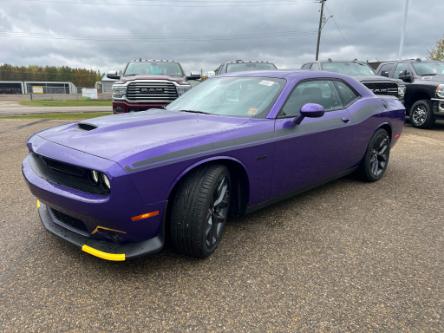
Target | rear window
(249,66)
(348,68)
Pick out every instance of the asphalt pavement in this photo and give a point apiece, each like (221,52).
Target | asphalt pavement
(348,256)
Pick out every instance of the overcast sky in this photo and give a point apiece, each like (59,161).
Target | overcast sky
(104,34)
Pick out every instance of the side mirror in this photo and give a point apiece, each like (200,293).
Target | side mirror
(114,75)
(406,76)
(310,110)
(385,73)
(194,76)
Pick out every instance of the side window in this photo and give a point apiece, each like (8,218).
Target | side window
(347,94)
(401,67)
(307,66)
(386,69)
(322,92)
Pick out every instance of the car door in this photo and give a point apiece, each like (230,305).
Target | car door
(402,68)
(386,69)
(318,149)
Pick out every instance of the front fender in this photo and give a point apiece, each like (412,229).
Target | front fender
(213,159)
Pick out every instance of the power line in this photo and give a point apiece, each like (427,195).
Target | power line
(335,22)
(171,3)
(164,38)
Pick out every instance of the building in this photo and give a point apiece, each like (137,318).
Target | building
(107,84)
(49,87)
(11,87)
(37,87)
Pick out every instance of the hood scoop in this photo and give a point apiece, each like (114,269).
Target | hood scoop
(86,126)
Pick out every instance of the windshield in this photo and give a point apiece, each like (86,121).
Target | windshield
(348,68)
(231,96)
(153,68)
(249,66)
(429,68)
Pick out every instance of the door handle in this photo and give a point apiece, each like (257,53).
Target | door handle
(345,119)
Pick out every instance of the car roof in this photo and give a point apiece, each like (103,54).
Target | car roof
(153,61)
(408,61)
(287,74)
(247,62)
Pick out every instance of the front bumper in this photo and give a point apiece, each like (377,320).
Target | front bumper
(122,106)
(102,220)
(99,248)
(438,107)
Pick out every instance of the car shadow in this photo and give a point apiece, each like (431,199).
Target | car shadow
(239,228)
(439,125)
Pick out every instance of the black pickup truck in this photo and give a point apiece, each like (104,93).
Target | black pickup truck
(361,71)
(424,96)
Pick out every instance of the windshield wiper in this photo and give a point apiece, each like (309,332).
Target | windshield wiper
(194,111)
(429,74)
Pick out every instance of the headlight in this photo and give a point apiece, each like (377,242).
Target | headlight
(95,176)
(106,181)
(100,179)
(182,89)
(440,91)
(119,91)
(401,91)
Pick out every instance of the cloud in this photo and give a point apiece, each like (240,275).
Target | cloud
(104,34)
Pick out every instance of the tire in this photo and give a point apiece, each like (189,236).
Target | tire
(421,115)
(376,158)
(199,211)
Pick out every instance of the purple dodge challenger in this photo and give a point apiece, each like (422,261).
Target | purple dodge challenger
(122,186)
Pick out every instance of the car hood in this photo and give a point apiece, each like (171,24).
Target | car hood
(430,79)
(150,133)
(176,79)
(376,78)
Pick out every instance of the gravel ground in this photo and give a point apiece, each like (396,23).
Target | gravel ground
(8,108)
(348,256)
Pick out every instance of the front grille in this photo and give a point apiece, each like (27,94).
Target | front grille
(66,174)
(69,220)
(383,88)
(151,91)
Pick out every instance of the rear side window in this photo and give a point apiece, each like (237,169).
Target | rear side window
(307,66)
(386,69)
(347,94)
(321,92)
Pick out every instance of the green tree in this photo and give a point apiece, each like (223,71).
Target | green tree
(79,76)
(438,51)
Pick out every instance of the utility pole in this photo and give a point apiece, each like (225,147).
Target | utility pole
(321,19)
(404,25)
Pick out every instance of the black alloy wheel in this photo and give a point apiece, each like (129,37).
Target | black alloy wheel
(217,213)
(200,210)
(421,115)
(377,156)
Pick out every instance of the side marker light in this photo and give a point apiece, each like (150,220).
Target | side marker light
(145,216)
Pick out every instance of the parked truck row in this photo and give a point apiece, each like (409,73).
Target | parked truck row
(419,84)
